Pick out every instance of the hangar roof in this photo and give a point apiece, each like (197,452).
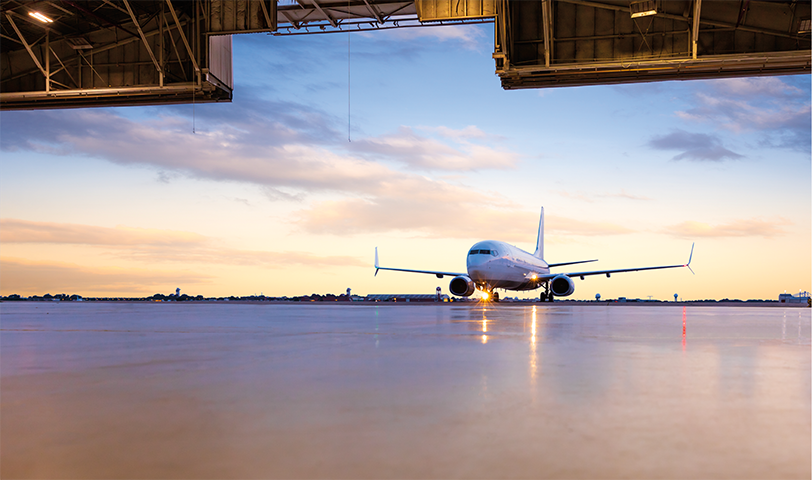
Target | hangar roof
(67,53)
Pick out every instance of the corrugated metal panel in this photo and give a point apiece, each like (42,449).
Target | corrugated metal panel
(242,16)
(433,10)
(220,59)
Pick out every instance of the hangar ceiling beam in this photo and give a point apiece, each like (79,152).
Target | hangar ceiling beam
(271,22)
(703,21)
(695,29)
(374,12)
(11,39)
(326,15)
(108,2)
(64,68)
(174,46)
(25,44)
(183,37)
(99,17)
(116,52)
(547,19)
(146,43)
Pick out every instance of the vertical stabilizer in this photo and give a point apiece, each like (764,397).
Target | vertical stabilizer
(540,239)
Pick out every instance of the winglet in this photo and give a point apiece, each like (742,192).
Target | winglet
(690,257)
(376,261)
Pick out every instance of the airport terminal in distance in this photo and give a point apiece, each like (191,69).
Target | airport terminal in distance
(801,299)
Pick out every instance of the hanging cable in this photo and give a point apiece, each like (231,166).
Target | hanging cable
(194,94)
(349,96)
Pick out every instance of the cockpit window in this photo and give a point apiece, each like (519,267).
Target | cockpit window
(481,252)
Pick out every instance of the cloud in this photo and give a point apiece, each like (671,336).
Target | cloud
(469,36)
(416,204)
(471,131)
(417,151)
(24,231)
(160,246)
(442,220)
(700,147)
(35,278)
(595,197)
(569,226)
(751,87)
(624,195)
(773,107)
(256,150)
(472,218)
(738,228)
(291,149)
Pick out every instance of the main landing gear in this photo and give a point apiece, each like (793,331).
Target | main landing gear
(546,295)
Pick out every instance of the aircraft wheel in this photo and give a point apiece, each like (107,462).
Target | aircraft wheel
(495,296)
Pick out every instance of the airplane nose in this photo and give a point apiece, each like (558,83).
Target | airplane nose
(477,267)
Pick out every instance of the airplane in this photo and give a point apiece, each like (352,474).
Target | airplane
(492,264)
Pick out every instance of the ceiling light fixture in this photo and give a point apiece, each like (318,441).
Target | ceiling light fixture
(42,18)
(79,43)
(644,8)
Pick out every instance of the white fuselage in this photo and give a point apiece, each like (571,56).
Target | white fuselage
(492,264)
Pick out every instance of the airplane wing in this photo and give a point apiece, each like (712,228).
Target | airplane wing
(549,276)
(431,272)
(551,265)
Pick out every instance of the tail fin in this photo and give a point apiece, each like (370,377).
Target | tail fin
(540,239)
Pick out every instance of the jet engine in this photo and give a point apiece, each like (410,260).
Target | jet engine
(462,286)
(562,286)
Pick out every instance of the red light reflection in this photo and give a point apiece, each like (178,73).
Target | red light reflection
(683,328)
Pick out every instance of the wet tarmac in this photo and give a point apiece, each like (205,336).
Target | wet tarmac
(108,390)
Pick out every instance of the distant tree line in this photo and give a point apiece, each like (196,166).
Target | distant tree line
(160,297)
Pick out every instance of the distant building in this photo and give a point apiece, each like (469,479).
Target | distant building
(801,297)
(397,297)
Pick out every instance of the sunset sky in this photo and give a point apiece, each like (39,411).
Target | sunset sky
(267,195)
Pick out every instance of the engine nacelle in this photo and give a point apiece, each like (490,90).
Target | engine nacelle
(462,286)
(562,286)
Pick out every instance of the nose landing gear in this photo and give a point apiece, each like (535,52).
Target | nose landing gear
(490,294)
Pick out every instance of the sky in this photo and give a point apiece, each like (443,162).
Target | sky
(404,140)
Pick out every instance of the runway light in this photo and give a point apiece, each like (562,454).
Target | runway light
(42,18)
(643,9)
(485,296)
